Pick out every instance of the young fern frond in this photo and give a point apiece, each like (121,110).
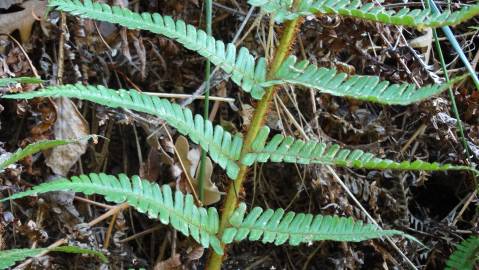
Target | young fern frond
(278,226)
(9,257)
(288,149)
(465,256)
(223,148)
(418,18)
(34,148)
(367,88)
(176,209)
(245,71)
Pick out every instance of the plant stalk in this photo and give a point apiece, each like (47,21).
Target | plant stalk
(234,188)
(206,109)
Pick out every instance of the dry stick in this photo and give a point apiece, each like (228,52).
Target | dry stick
(371,219)
(202,88)
(135,236)
(350,194)
(60,242)
(464,207)
(185,96)
(283,50)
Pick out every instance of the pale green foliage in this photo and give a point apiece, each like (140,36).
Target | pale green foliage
(158,202)
(278,226)
(202,224)
(465,256)
(32,149)
(245,71)
(222,147)
(10,257)
(418,18)
(225,148)
(367,88)
(7,81)
(288,149)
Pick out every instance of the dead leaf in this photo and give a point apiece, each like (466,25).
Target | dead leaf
(422,41)
(22,20)
(5,4)
(173,262)
(190,159)
(70,124)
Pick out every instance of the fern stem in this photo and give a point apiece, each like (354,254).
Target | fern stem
(451,94)
(282,52)
(206,109)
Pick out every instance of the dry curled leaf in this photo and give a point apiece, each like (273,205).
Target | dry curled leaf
(190,159)
(70,124)
(22,20)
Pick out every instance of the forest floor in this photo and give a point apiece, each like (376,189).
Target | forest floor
(440,208)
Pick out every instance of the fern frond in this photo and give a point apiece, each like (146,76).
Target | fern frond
(146,197)
(418,18)
(10,257)
(245,71)
(367,88)
(278,226)
(465,256)
(223,148)
(288,149)
(34,148)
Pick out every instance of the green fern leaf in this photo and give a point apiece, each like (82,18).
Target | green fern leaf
(288,149)
(146,197)
(278,226)
(7,81)
(245,71)
(417,18)
(34,148)
(367,88)
(465,256)
(10,257)
(242,66)
(223,148)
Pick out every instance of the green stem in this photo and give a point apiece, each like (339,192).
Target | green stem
(451,94)
(283,50)
(206,109)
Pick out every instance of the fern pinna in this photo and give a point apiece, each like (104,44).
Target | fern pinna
(418,18)
(223,147)
(248,73)
(465,256)
(202,224)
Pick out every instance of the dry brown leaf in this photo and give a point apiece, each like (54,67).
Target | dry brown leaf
(173,262)
(70,124)
(5,4)
(22,20)
(190,159)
